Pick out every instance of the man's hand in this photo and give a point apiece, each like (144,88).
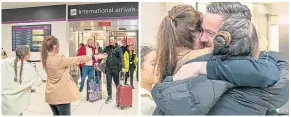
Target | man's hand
(190,70)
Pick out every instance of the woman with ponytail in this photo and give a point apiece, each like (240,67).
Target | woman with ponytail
(177,39)
(61,89)
(18,76)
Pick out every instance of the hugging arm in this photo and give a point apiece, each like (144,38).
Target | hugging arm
(193,96)
(121,58)
(261,72)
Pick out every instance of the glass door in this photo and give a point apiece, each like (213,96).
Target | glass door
(131,37)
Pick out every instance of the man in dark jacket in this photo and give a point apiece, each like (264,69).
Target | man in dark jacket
(114,64)
(234,101)
(124,46)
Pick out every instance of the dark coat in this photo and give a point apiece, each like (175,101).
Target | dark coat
(202,96)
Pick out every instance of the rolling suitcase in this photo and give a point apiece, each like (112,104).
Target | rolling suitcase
(123,94)
(94,88)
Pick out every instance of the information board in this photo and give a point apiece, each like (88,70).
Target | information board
(30,35)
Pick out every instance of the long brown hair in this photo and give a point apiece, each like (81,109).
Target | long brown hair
(20,52)
(176,30)
(47,45)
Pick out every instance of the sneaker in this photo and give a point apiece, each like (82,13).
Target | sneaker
(109,99)
(81,89)
(132,87)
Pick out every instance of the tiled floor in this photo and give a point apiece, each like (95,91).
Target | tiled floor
(37,105)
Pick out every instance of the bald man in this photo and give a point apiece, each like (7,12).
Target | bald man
(114,64)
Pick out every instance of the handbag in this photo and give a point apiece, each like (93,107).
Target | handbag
(102,66)
(75,73)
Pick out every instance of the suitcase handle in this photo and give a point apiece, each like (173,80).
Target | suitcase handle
(121,72)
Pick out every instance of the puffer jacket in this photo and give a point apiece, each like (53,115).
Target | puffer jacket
(201,96)
(193,96)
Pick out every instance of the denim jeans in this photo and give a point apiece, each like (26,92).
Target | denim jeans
(87,70)
(61,109)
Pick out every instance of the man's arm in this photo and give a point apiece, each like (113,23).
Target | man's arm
(120,54)
(105,50)
(261,72)
(278,94)
(80,51)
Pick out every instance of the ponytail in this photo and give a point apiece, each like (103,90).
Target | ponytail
(21,70)
(43,53)
(178,29)
(48,45)
(15,69)
(20,51)
(166,50)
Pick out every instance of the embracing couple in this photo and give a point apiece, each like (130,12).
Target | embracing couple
(213,64)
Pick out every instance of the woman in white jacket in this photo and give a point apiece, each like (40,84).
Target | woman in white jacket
(18,76)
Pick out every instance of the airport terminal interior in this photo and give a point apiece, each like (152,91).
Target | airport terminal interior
(71,32)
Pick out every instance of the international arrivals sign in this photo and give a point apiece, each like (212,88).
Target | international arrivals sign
(118,10)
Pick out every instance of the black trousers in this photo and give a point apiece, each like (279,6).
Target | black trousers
(111,73)
(61,109)
(130,74)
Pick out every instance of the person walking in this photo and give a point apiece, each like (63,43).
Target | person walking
(88,67)
(114,64)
